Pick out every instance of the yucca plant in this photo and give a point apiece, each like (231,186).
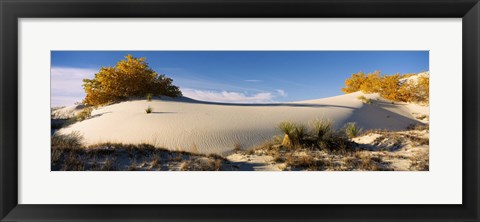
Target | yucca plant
(299,134)
(148,110)
(149,97)
(287,128)
(322,128)
(352,130)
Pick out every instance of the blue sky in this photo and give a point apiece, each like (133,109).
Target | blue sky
(238,76)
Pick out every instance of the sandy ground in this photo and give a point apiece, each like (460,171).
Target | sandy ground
(204,127)
(406,150)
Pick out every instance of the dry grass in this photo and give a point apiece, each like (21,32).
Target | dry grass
(109,165)
(364,99)
(84,114)
(69,154)
(71,141)
(420,163)
(202,164)
(419,127)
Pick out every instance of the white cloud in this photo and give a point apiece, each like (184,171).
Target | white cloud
(226,96)
(281,92)
(66,84)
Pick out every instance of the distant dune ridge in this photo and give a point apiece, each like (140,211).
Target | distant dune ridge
(206,127)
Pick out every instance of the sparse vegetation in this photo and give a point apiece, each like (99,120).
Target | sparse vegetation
(148,110)
(364,99)
(352,130)
(318,147)
(299,134)
(68,153)
(294,133)
(287,128)
(325,148)
(84,114)
(149,97)
(323,128)
(71,141)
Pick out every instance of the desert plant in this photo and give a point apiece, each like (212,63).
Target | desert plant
(70,141)
(148,110)
(131,77)
(364,99)
(393,87)
(352,130)
(84,114)
(73,162)
(108,165)
(149,97)
(303,161)
(299,134)
(322,128)
(287,128)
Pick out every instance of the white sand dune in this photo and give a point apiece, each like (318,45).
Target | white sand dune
(66,112)
(189,125)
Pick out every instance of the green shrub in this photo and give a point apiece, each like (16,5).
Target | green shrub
(148,110)
(299,134)
(294,133)
(149,97)
(352,130)
(322,128)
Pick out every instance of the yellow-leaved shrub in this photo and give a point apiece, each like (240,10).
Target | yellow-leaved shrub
(390,86)
(131,77)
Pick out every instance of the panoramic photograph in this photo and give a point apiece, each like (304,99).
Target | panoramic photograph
(239,110)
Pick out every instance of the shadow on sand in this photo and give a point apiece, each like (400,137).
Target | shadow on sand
(376,116)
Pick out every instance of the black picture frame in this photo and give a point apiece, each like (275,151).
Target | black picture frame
(11,11)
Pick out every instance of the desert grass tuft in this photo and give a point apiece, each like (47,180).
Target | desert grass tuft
(109,164)
(352,130)
(84,114)
(148,110)
(73,162)
(70,141)
(364,99)
(299,134)
(322,128)
(149,97)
